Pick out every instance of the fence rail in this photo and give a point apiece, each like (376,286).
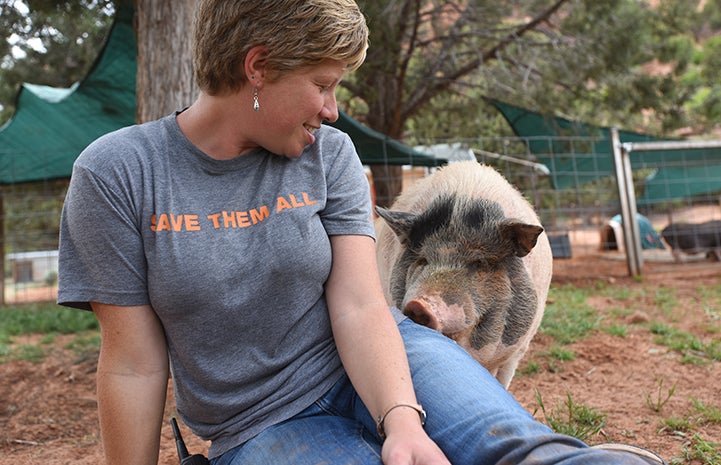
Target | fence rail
(599,189)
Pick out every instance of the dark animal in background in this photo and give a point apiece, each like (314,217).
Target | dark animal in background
(694,238)
(462,251)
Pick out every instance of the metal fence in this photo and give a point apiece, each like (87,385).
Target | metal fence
(585,219)
(600,218)
(30,218)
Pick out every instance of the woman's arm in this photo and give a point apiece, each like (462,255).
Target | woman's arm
(372,351)
(132,380)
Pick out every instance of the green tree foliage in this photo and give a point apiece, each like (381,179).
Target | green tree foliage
(608,62)
(432,62)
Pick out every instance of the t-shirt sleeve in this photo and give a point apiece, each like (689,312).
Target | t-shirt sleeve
(348,207)
(101,254)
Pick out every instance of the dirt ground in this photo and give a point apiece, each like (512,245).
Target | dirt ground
(48,410)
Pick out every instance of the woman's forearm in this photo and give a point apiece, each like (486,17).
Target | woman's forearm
(373,355)
(132,380)
(130,409)
(372,352)
(367,337)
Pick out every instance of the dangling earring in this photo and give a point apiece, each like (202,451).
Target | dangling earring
(256,105)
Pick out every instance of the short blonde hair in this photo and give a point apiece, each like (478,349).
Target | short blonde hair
(297,34)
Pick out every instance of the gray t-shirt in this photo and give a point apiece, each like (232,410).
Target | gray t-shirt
(232,255)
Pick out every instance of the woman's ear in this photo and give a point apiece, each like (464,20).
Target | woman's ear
(254,65)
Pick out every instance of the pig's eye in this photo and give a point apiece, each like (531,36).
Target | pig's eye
(481,265)
(416,265)
(415,268)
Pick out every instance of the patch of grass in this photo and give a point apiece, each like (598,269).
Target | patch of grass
(568,317)
(43,319)
(665,300)
(85,346)
(696,448)
(48,338)
(561,354)
(657,402)
(710,303)
(573,419)
(710,297)
(623,293)
(27,352)
(530,368)
(706,413)
(617,312)
(554,358)
(692,348)
(46,319)
(677,424)
(700,449)
(616,330)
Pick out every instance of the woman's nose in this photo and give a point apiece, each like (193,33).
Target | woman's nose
(330,108)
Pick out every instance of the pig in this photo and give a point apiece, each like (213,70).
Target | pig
(462,252)
(694,238)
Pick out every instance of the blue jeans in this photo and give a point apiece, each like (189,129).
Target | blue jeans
(471,417)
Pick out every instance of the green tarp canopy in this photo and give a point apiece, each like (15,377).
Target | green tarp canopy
(375,148)
(577,153)
(52,126)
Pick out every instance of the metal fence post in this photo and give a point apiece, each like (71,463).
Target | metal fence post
(627,197)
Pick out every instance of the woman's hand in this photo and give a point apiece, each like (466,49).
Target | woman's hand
(412,448)
(407,443)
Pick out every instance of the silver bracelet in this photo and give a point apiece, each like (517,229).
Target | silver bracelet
(382,418)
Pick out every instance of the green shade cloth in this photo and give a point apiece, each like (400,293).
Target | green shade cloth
(52,126)
(577,153)
(375,148)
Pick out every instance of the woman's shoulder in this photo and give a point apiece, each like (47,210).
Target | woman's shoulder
(127,145)
(330,135)
(130,137)
(333,144)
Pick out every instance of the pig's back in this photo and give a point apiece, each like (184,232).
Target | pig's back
(467,178)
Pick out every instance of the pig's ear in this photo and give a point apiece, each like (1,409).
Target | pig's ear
(399,222)
(523,236)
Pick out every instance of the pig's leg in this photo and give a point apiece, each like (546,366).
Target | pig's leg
(508,370)
(676,255)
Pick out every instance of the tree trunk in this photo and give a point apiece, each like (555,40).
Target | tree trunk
(2,248)
(165,71)
(387,183)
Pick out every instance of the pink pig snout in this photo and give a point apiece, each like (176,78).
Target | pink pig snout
(432,311)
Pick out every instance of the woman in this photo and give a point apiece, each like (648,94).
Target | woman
(232,244)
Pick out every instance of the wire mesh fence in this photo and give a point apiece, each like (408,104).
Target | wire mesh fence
(582,218)
(30,216)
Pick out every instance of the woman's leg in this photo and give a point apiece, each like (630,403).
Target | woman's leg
(475,420)
(326,432)
(470,415)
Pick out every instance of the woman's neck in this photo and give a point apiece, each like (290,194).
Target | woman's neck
(218,125)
